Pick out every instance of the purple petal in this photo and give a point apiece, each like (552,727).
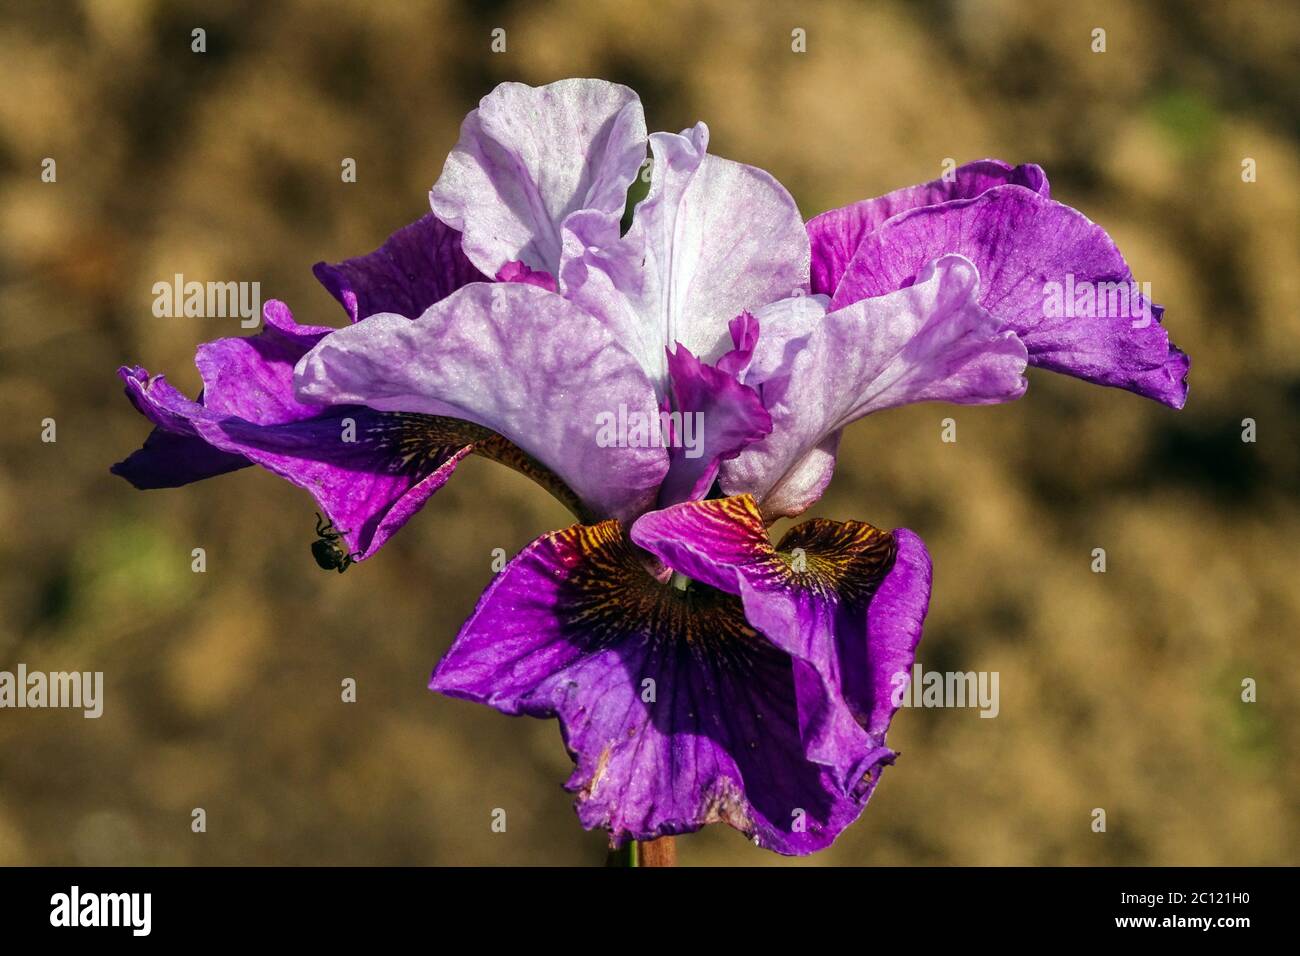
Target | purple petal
(928,342)
(518,272)
(676,712)
(158,400)
(169,460)
(368,472)
(416,266)
(836,235)
(844,596)
(173,454)
(744,338)
(720,417)
(712,239)
(1028,249)
(252,376)
(530,156)
(894,621)
(522,362)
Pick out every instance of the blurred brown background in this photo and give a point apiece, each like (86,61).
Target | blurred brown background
(1119,691)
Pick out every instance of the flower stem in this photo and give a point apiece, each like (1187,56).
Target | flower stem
(660,852)
(625,855)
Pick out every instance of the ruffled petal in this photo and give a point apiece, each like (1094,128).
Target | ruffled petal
(251,377)
(1032,253)
(836,235)
(718,417)
(845,596)
(520,361)
(677,713)
(712,239)
(744,330)
(416,266)
(173,454)
(158,400)
(817,373)
(518,272)
(369,472)
(530,156)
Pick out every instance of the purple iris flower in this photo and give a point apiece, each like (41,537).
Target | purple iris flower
(681,385)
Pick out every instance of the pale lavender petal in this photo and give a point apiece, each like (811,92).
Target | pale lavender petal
(1029,251)
(712,239)
(676,712)
(414,268)
(530,156)
(928,342)
(520,361)
(836,235)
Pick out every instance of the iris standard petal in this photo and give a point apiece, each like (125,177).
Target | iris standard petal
(712,239)
(530,156)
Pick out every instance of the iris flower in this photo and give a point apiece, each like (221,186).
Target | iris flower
(699,672)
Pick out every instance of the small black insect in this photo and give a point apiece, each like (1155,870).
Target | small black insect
(326,549)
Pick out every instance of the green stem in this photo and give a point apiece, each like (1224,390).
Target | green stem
(629,854)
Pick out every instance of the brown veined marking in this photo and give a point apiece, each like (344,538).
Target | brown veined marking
(613,596)
(419,440)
